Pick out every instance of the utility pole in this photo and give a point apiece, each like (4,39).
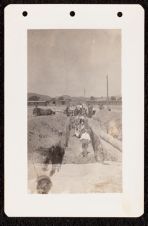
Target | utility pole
(107,90)
(84,92)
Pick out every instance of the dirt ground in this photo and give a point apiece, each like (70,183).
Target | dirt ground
(81,178)
(78,174)
(110,120)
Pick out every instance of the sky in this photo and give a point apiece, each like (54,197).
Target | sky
(67,61)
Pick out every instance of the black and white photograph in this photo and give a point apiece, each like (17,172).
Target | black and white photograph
(74,102)
(74,110)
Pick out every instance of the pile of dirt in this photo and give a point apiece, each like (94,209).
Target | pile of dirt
(46,131)
(110,122)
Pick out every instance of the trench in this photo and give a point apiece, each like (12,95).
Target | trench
(82,174)
(73,153)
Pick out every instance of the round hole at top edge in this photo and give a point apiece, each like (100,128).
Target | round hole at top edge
(72,13)
(119,14)
(24,13)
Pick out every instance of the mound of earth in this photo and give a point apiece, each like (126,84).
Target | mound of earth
(43,131)
(110,122)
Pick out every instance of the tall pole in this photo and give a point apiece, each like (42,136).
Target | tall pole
(84,92)
(107,89)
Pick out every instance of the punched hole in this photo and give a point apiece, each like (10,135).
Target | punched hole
(119,14)
(24,13)
(72,13)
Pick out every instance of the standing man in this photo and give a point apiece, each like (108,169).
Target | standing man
(85,140)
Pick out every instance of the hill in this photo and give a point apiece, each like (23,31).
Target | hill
(36,96)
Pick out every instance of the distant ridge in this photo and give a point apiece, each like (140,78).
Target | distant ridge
(32,96)
(41,97)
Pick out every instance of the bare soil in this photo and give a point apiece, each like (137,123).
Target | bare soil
(110,121)
(78,174)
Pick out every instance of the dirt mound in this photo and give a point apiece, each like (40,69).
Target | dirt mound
(43,131)
(110,122)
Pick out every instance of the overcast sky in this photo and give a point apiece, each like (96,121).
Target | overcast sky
(64,62)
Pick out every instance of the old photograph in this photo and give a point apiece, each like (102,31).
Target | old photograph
(74,103)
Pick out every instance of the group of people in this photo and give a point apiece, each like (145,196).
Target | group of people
(80,113)
(80,109)
(81,131)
